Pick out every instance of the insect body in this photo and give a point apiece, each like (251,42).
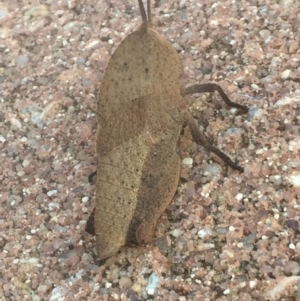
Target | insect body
(141,112)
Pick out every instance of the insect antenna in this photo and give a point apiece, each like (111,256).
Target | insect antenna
(149,11)
(142,9)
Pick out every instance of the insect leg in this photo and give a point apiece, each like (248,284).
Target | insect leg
(91,176)
(203,88)
(200,138)
(90,224)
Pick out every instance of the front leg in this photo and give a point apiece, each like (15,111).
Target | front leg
(200,138)
(204,88)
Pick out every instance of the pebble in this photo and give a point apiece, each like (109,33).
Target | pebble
(211,169)
(202,233)
(286,74)
(21,60)
(59,292)
(188,162)
(125,282)
(254,112)
(85,199)
(239,196)
(292,224)
(42,288)
(292,268)
(115,273)
(222,230)
(288,99)
(137,288)
(176,232)
(25,163)
(53,206)
(294,178)
(35,11)
(52,192)
(292,246)
(152,284)
(276,179)
(3,12)
(264,33)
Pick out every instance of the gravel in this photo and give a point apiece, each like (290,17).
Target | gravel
(226,236)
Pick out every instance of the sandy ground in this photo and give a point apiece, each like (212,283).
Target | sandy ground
(226,236)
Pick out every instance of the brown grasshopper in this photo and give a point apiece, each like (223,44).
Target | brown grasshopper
(141,112)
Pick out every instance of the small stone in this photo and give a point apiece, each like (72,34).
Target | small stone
(292,246)
(222,230)
(25,163)
(115,273)
(85,199)
(52,192)
(252,283)
(176,233)
(292,224)
(264,33)
(21,60)
(3,13)
(188,162)
(152,284)
(276,179)
(286,74)
(125,282)
(240,245)
(137,288)
(292,268)
(42,288)
(254,112)
(294,179)
(202,233)
(239,196)
(53,206)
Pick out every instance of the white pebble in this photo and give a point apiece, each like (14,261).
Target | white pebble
(202,233)
(25,163)
(176,233)
(85,199)
(52,192)
(294,178)
(292,246)
(239,196)
(53,205)
(288,99)
(252,283)
(286,74)
(96,287)
(152,284)
(20,173)
(188,162)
